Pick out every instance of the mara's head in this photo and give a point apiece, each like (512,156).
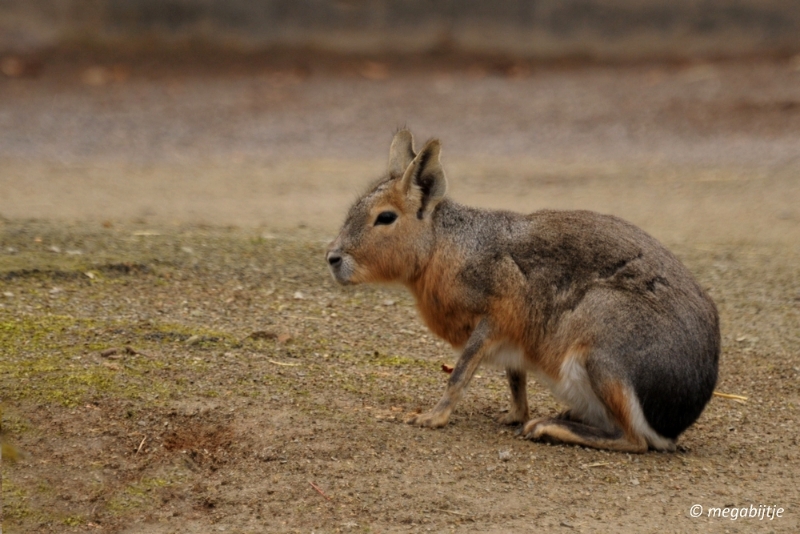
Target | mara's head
(388,233)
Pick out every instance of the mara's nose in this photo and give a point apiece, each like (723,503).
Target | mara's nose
(334,259)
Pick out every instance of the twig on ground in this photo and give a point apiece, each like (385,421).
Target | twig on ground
(141,444)
(451,512)
(284,364)
(597,464)
(319,490)
(737,398)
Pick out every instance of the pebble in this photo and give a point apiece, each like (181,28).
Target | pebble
(108,353)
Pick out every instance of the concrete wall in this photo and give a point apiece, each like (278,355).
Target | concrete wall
(618,29)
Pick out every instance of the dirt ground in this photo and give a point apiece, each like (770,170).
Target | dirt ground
(176,358)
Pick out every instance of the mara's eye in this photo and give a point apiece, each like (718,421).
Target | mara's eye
(386,217)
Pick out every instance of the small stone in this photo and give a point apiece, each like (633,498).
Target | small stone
(193,340)
(298,295)
(54,249)
(388,302)
(504,455)
(8,294)
(634,481)
(284,338)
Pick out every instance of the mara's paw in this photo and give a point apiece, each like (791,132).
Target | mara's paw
(511,418)
(535,428)
(432,419)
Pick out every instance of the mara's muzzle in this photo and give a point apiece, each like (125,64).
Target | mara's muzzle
(341,266)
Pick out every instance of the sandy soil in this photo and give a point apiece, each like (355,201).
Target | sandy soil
(175,357)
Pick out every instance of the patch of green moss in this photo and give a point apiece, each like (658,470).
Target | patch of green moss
(137,495)
(54,359)
(352,388)
(278,382)
(15,499)
(396,361)
(12,423)
(385,360)
(73,520)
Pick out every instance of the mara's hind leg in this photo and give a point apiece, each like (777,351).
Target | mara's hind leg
(570,432)
(623,437)
(518,409)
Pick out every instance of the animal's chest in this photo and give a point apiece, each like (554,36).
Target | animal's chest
(449,320)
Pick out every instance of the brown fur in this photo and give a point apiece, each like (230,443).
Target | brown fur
(593,306)
(616,401)
(438,309)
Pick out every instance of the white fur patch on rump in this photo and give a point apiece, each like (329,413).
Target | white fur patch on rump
(575,390)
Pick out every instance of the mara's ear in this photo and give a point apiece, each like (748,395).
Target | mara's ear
(401,154)
(424,180)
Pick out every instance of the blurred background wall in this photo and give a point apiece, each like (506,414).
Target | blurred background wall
(604,29)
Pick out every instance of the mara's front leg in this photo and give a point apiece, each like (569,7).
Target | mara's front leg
(468,362)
